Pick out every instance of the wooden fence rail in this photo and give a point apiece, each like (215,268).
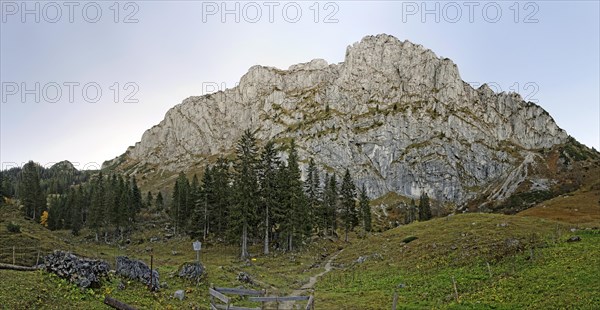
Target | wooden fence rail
(219,301)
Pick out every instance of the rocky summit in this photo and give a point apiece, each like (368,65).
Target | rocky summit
(400,117)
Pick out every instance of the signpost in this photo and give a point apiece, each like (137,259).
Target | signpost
(197,247)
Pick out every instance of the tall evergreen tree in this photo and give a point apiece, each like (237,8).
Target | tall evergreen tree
(221,195)
(76,215)
(312,187)
(348,203)
(149,200)
(160,203)
(269,163)
(205,203)
(365,209)
(180,202)
(246,188)
(136,196)
(30,191)
(331,197)
(412,212)
(98,206)
(299,222)
(424,208)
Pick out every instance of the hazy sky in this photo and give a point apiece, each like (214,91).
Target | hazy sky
(158,53)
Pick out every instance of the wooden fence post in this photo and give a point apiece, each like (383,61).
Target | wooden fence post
(455,290)
(395,300)
(151,273)
(14,255)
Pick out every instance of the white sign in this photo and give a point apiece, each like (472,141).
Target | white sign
(197,245)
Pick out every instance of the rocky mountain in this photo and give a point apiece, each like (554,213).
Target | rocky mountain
(400,117)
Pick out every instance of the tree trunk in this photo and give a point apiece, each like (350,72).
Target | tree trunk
(245,241)
(266,250)
(346,238)
(205,221)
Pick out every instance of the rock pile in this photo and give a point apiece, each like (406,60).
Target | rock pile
(137,270)
(191,271)
(81,271)
(245,278)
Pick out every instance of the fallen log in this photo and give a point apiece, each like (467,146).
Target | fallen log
(117,304)
(18,268)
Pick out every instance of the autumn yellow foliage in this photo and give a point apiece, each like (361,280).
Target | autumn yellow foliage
(44,219)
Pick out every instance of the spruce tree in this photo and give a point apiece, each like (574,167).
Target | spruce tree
(97,207)
(331,198)
(160,204)
(299,221)
(348,203)
(205,203)
(246,189)
(149,200)
(180,202)
(312,188)
(76,215)
(424,208)
(412,212)
(365,209)
(222,196)
(30,191)
(136,196)
(269,163)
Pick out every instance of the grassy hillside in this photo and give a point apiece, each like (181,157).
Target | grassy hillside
(530,264)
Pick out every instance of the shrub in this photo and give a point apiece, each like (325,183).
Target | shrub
(13,228)
(409,239)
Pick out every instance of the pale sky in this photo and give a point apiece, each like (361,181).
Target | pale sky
(546,50)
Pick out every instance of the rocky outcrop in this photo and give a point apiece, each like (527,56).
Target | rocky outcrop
(81,271)
(397,115)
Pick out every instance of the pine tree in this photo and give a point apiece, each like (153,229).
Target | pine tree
(136,196)
(424,208)
(180,202)
(76,215)
(205,202)
(269,163)
(160,204)
(97,207)
(149,200)
(246,189)
(412,212)
(222,196)
(299,222)
(331,198)
(194,194)
(348,203)
(30,191)
(365,209)
(312,188)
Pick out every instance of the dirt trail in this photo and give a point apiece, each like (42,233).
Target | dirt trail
(310,284)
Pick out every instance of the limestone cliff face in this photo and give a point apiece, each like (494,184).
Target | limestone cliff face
(397,115)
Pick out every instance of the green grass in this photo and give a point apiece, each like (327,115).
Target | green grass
(418,261)
(560,275)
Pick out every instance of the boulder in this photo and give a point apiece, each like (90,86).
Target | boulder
(179,294)
(137,270)
(192,271)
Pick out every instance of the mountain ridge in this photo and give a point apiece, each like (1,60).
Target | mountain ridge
(395,113)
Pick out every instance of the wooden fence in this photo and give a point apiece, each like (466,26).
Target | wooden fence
(23,256)
(220,301)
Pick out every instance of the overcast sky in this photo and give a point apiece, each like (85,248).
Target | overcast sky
(147,56)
